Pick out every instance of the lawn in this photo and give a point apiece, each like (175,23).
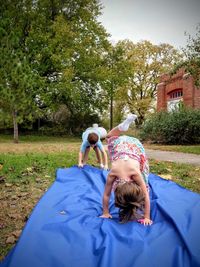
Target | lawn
(28,169)
(193,149)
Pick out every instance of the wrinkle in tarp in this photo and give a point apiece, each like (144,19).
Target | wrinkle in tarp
(65,230)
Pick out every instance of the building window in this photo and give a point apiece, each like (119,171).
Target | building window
(174,99)
(173,104)
(176,94)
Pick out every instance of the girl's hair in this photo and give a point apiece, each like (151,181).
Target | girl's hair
(129,197)
(92,138)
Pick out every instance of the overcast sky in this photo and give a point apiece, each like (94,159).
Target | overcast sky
(159,21)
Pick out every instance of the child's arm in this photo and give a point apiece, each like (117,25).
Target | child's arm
(105,159)
(104,154)
(147,220)
(81,153)
(80,159)
(106,197)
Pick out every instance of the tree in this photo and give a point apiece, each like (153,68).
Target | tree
(50,55)
(19,83)
(116,73)
(73,56)
(192,55)
(148,62)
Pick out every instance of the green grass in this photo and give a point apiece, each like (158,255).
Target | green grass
(23,139)
(193,149)
(24,168)
(19,167)
(185,175)
(32,173)
(39,138)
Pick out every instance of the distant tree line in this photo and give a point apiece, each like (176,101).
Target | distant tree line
(60,73)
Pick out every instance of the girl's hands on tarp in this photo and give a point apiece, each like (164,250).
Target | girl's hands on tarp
(80,165)
(145,221)
(106,167)
(106,216)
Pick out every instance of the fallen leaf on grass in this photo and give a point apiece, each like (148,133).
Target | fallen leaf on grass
(14,197)
(166,176)
(11,240)
(13,206)
(8,185)
(17,233)
(14,216)
(38,180)
(23,194)
(29,169)
(2,225)
(2,179)
(26,219)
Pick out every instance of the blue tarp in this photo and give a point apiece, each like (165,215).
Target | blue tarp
(64,229)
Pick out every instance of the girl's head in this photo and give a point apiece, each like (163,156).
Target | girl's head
(129,197)
(93,138)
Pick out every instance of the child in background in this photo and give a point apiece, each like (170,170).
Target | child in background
(92,138)
(128,176)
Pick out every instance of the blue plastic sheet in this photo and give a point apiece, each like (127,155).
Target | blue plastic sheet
(64,229)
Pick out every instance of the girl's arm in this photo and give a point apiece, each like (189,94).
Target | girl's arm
(80,158)
(106,197)
(81,153)
(104,154)
(105,159)
(147,220)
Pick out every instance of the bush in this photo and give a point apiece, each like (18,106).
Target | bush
(74,125)
(178,127)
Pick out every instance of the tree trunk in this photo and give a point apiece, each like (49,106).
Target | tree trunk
(15,124)
(111,110)
(38,124)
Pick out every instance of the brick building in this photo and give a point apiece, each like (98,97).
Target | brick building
(179,87)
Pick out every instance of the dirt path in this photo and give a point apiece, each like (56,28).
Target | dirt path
(173,156)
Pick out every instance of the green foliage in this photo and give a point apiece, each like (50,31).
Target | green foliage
(69,125)
(178,127)
(19,83)
(147,62)
(191,62)
(52,54)
(116,73)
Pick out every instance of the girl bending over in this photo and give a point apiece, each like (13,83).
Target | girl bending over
(128,176)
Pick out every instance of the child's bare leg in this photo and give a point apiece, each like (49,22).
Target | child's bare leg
(122,127)
(96,149)
(114,132)
(85,157)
